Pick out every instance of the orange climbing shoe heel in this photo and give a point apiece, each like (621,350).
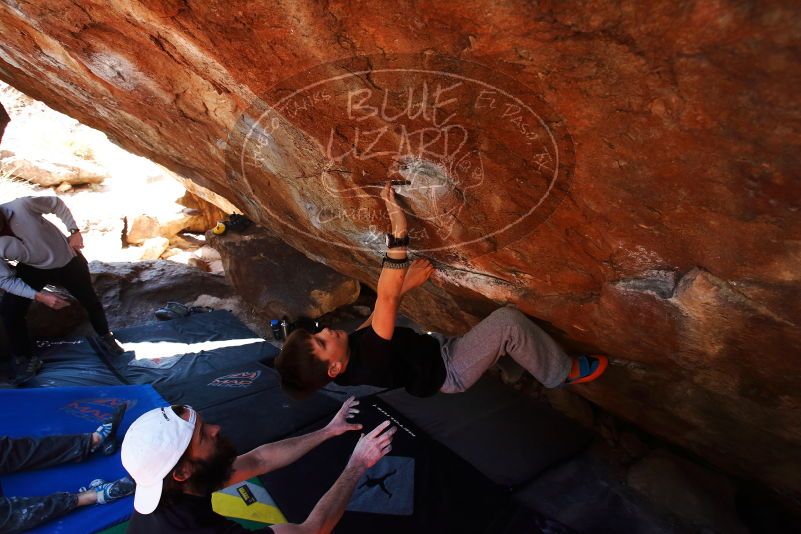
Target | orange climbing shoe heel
(587,368)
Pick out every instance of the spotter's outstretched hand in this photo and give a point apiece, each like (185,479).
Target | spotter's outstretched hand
(373,446)
(339,424)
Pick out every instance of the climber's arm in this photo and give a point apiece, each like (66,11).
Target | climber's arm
(390,283)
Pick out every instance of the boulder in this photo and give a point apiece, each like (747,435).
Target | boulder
(208,254)
(145,226)
(198,263)
(277,280)
(207,259)
(140,228)
(153,248)
(131,292)
(54,173)
(628,170)
(205,214)
(198,193)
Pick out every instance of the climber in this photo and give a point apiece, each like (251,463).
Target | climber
(45,256)
(380,354)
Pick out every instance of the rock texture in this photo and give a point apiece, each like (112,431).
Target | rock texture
(673,244)
(131,292)
(197,217)
(205,215)
(277,280)
(142,226)
(51,174)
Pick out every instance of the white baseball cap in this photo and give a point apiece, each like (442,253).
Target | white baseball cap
(151,448)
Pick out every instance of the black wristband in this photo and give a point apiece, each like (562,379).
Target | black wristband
(396,261)
(390,263)
(394,242)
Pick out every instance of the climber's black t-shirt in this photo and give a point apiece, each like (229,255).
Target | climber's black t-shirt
(187,513)
(409,360)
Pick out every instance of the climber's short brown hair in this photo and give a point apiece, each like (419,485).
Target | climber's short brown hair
(302,373)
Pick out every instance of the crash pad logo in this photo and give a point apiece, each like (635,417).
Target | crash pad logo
(247,496)
(480,158)
(96,410)
(386,488)
(236,380)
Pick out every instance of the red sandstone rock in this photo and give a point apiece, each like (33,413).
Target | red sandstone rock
(206,214)
(674,247)
(51,173)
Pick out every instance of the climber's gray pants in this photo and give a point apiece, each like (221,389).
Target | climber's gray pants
(505,331)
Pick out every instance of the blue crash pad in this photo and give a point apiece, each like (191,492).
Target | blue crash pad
(72,410)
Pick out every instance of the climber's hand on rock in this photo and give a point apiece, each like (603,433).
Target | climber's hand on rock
(419,272)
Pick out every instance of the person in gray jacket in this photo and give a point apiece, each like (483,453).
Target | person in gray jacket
(44,256)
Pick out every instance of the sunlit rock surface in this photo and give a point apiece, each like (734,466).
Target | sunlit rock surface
(627,171)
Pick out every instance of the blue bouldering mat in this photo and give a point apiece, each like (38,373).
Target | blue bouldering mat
(72,410)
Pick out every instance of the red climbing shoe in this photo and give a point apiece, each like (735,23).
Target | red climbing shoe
(587,368)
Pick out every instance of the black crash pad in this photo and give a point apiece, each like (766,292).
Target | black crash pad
(426,489)
(588,496)
(214,341)
(72,362)
(508,436)
(201,343)
(248,403)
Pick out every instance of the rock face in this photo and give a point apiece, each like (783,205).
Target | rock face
(197,217)
(131,292)
(50,174)
(142,227)
(623,171)
(204,214)
(277,280)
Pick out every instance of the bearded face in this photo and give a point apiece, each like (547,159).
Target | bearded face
(208,475)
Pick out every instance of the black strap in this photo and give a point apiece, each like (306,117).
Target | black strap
(387,259)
